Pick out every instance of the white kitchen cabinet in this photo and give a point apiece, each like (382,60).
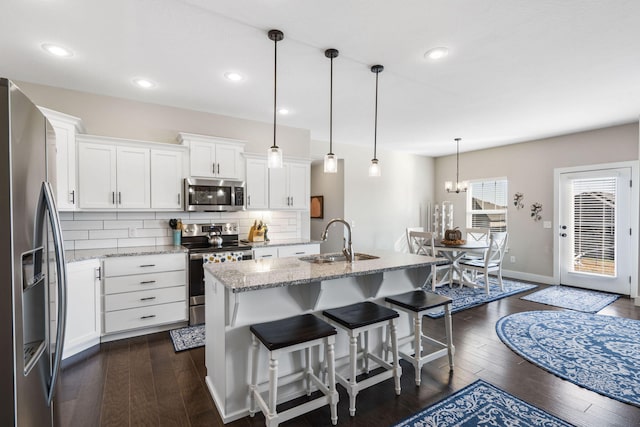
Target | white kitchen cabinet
(83,327)
(166,179)
(257,183)
(144,292)
(213,157)
(289,186)
(298,250)
(113,174)
(270,252)
(66,127)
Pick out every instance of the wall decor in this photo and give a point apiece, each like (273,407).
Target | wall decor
(518,200)
(316,208)
(536,208)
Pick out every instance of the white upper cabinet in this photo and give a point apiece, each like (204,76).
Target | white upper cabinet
(166,179)
(129,175)
(257,183)
(289,186)
(213,157)
(66,128)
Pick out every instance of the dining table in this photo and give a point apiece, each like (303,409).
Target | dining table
(454,252)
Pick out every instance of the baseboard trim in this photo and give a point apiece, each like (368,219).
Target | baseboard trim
(538,278)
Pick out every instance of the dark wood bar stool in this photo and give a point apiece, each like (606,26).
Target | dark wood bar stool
(284,336)
(416,304)
(361,318)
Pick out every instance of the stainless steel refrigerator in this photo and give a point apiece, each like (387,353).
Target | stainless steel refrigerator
(32,266)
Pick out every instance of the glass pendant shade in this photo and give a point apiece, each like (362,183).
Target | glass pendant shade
(274,157)
(330,163)
(458,186)
(374,168)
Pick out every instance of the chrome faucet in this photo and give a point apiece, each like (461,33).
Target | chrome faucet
(347,249)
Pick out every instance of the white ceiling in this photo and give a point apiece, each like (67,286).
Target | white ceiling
(517,70)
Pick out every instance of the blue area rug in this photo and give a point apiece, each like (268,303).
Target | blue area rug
(572,298)
(187,338)
(482,404)
(599,353)
(467,297)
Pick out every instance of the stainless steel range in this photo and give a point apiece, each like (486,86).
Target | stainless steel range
(211,242)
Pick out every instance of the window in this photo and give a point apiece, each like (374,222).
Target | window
(487,204)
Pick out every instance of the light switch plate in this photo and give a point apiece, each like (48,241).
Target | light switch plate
(546,224)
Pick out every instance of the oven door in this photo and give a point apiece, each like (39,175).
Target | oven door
(196,279)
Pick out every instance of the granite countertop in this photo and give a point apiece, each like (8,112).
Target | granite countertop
(85,254)
(280,242)
(276,272)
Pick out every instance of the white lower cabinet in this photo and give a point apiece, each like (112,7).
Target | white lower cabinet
(83,327)
(144,291)
(286,251)
(259,253)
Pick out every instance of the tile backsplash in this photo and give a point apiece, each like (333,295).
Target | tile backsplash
(95,230)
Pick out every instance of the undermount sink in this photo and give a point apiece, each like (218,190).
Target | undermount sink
(329,258)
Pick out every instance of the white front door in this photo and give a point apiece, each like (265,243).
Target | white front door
(595,229)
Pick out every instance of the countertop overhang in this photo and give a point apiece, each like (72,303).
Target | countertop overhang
(270,273)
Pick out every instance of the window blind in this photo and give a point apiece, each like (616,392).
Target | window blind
(488,204)
(594,225)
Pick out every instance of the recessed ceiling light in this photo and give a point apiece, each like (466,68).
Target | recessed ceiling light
(234,77)
(283,111)
(57,50)
(436,53)
(144,83)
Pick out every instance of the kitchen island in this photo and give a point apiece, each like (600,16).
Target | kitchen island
(241,294)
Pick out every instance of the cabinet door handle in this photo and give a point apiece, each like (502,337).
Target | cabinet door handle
(119,198)
(266,256)
(300,253)
(179,199)
(148,265)
(98,273)
(146,282)
(73,197)
(249,200)
(213,168)
(218,168)
(291,200)
(147,298)
(113,197)
(148,317)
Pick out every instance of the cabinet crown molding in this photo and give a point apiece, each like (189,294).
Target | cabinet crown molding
(62,117)
(185,138)
(97,139)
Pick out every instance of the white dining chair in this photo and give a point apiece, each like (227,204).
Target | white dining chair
(409,230)
(492,261)
(476,235)
(421,243)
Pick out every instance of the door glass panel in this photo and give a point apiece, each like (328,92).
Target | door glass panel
(594,216)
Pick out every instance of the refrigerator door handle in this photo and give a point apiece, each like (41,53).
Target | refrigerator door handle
(48,203)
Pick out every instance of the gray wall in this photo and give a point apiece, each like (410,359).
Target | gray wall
(122,118)
(529,169)
(331,187)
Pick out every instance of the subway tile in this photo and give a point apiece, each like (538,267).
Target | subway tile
(127,216)
(85,216)
(81,225)
(108,234)
(156,223)
(205,216)
(168,215)
(66,216)
(145,241)
(69,246)
(122,224)
(75,235)
(151,232)
(164,241)
(96,244)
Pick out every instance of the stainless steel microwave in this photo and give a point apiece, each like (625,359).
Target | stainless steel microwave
(213,195)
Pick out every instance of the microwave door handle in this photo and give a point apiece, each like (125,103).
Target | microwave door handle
(47,202)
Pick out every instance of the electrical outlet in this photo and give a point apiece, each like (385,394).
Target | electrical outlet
(512,259)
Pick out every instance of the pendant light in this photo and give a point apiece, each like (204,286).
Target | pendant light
(460,187)
(330,159)
(274,153)
(374,168)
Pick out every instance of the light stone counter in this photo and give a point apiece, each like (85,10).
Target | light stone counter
(85,254)
(276,272)
(244,293)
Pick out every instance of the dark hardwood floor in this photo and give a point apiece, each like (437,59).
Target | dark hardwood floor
(142,381)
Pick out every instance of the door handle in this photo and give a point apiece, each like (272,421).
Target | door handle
(147,298)
(151,316)
(213,168)
(119,198)
(73,197)
(218,168)
(113,197)
(179,198)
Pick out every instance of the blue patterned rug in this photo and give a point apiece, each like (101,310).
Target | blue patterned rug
(187,338)
(482,404)
(467,297)
(572,298)
(599,353)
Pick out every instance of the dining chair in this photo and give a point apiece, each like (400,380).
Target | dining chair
(409,230)
(474,235)
(492,261)
(421,243)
